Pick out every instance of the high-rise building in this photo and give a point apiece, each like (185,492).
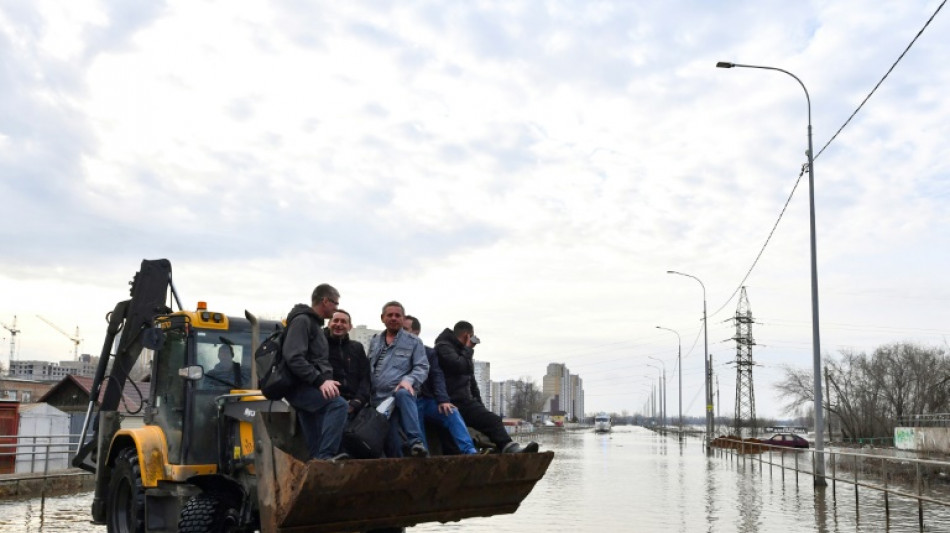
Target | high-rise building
(563,392)
(503,393)
(577,386)
(483,380)
(556,388)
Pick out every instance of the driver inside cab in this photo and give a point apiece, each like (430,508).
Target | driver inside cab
(226,372)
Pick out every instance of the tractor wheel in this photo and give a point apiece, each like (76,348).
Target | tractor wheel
(126,497)
(204,513)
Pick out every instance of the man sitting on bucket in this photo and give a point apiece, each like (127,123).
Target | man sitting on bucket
(455,348)
(398,368)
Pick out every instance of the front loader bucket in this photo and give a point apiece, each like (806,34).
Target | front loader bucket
(355,495)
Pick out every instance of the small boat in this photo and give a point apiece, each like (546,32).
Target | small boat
(602,423)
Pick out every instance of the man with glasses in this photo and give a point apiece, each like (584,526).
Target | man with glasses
(316,395)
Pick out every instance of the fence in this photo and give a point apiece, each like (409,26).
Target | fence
(922,480)
(40,449)
(873,441)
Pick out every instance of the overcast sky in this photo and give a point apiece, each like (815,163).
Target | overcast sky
(532,167)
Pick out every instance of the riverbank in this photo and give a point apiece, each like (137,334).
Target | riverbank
(55,483)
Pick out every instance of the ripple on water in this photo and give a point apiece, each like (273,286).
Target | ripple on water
(628,480)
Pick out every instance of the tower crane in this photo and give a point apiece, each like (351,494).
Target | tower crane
(75,338)
(13,333)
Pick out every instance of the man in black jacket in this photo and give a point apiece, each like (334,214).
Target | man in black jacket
(434,403)
(455,348)
(315,395)
(349,362)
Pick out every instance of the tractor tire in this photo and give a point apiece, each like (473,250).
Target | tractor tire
(203,513)
(126,507)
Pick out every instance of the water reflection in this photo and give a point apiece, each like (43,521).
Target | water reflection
(628,480)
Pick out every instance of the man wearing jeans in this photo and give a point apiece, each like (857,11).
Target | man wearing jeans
(315,395)
(433,401)
(398,368)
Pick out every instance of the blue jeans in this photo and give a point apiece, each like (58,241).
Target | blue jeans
(429,412)
(405,418)
(321,420)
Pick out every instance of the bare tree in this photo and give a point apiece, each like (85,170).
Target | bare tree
(527,398)
(868,395)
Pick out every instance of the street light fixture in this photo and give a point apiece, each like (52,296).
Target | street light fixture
(706,364)
(679,363)
(816,344)
(664,413)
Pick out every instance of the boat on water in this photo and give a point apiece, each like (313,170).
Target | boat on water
(602,423)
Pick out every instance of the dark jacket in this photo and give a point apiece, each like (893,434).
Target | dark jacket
(458,367)
(350,368)
(434,387)
(305,347)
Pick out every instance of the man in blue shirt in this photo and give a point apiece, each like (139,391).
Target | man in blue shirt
(434,403)
(398,368)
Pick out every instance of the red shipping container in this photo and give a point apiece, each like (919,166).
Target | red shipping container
(9,428)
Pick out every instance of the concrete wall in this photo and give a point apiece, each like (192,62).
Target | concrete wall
(922,439)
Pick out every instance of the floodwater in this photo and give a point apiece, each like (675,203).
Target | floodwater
(629,480)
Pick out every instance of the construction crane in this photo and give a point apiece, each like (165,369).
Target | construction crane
(13,332)
(75,338)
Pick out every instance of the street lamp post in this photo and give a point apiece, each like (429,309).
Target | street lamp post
(706,364)
(816,344)
(679,363)
(666,413)
(660,394)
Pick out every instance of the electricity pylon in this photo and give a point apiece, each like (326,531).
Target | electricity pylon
(745,390)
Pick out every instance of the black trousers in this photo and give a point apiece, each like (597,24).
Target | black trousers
(477,416)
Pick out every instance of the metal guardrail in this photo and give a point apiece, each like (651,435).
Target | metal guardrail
(906,477)
(39,448)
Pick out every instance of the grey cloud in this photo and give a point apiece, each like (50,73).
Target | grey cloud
(376,35)
(124,20)
(376,110)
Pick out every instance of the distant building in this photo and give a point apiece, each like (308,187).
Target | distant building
(483,379)
(503,394)
(50,371)
(23,390)
(563,392)
(577,386)
(362,334)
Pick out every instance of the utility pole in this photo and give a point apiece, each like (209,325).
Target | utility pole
(75,338)
(745,389)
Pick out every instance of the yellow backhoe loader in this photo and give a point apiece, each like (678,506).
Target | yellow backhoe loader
(215,455)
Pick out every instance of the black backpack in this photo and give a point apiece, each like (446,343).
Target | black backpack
(275,379)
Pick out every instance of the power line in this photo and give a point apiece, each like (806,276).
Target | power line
(833,137)
(766,243)
(886,74)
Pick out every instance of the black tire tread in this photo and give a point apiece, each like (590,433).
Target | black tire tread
(203,513)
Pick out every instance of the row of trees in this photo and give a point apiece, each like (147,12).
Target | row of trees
(867,395)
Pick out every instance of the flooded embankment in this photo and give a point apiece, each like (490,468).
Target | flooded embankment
(628,480)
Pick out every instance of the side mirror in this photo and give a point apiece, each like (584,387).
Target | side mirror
(192,373)
(153,339)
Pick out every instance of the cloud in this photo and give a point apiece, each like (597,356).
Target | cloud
(535,167)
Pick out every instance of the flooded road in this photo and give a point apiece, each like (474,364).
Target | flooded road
(628,480)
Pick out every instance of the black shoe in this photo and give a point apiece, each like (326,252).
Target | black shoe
(511,447)
(340,457)
(514,447)
(418,450)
